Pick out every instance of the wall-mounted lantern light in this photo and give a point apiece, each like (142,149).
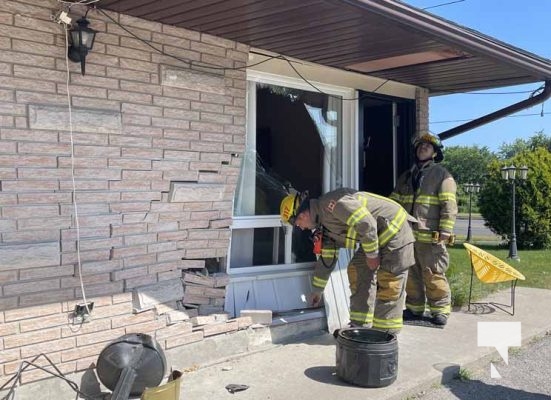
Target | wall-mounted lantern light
(82,41)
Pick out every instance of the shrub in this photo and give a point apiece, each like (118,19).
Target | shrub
(533,200)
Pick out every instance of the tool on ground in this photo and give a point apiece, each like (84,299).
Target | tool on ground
(234,387)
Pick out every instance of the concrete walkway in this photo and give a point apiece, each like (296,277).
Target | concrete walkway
(306,370)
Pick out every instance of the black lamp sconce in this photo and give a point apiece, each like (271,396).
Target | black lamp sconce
(82,41)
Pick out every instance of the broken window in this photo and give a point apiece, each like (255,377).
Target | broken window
(294,142)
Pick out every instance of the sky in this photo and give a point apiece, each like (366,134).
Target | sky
(521,23)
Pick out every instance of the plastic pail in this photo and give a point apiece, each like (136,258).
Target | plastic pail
(367,357)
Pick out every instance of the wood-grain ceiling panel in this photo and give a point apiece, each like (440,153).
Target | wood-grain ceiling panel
(303,37)
(442,77)
(450,68)
(138,7)
(246,10)
(479,84)
(250,25)
(121,5)
(337,33)
(306,32)
(267,36)
(361,55)
(212,9)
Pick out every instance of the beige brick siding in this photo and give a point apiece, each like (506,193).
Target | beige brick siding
(422,110)
(142,124)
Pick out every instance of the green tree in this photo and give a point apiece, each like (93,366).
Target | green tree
(467,163)
(520,145)
(533,199)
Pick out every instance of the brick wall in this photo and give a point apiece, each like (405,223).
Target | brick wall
(422,110)
(156,146)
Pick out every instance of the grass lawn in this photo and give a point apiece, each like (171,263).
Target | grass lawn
(535,265)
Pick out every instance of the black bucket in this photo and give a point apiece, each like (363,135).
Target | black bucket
(131,363)
(367,357)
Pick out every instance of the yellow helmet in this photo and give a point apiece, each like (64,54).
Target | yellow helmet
(289,206)
(436,144)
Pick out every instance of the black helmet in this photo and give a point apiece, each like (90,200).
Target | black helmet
(436,144)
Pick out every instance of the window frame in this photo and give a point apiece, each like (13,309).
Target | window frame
(349,158)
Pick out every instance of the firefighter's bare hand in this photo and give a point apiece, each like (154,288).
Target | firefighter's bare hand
(373,262)
(315,299)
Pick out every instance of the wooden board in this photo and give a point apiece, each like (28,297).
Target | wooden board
(337,294)
(269,292)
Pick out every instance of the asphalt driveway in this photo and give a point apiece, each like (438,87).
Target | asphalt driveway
(526,377)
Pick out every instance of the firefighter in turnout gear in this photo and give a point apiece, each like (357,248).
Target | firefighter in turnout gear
(427,192)
(378,229)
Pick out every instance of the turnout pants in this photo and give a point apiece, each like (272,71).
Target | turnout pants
(427,283)
(377,297)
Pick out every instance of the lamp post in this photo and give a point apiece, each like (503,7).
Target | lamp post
(509,174)
(470,188)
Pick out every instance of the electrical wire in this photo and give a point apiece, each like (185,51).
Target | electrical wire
(330,95)
(538,91)
(77,2)
(74,189)
(491,93)
(191,63)
(540,114)
(302,77)
(444,4)
(532,94)
(26,364)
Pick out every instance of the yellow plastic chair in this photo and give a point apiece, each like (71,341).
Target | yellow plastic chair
(490,269)
(168,391)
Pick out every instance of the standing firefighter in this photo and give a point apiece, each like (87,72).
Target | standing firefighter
(378,270)
(427,191)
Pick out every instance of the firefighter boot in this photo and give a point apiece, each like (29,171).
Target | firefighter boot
(440,319)
(409,315)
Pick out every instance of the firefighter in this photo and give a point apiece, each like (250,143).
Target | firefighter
(378,229)
(427,192)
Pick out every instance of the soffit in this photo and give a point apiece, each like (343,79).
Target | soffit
(382,38)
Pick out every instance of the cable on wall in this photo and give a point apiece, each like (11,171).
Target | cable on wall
(74,189)
(66,27)
(330,95)
(193,63)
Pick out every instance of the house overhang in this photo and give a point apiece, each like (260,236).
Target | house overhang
(382,38)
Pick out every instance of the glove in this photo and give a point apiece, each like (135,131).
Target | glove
(373,263)
(444,237)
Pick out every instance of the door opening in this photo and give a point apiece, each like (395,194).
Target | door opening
(386,125)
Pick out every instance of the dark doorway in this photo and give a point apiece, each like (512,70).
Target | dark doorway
(386,125)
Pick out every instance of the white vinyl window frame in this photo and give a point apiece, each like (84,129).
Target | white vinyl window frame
(349,148)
